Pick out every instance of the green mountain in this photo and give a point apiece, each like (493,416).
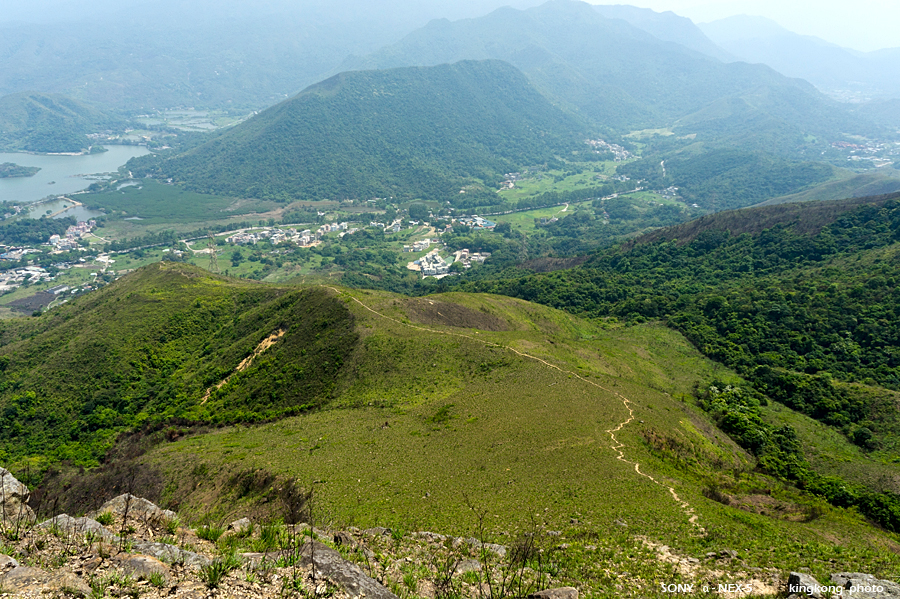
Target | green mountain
(624,78)
(50,123)
(416,413)
(414,132)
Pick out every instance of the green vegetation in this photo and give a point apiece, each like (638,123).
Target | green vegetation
(377,134)
(625,80)
(796,305)
(9,170)
(176,361)
(436,419)
(28,231)
(159,204)
(727,179)
(50,123)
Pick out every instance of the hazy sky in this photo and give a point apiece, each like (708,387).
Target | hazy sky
(858,24)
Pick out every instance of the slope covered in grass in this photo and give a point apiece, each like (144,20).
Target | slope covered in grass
(153,347)
(410,412)
(537,418)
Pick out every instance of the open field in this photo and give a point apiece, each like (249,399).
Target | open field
(154,203)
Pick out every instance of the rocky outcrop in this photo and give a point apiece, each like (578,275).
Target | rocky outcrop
(138,509)
(67,525)
(24,580)
(329,564)
(14,510)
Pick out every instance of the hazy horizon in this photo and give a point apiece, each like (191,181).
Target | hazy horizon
(866,26)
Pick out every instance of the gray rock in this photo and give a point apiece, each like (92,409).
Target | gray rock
(240,527)
(14,501)
(171,554)
(138,509)
(23,579)
(67,525)
(143,566)
(865,586)
(560,593)
(803,585)
(500,550)
(329,564)
(343,539)
(7,563)
(469,565)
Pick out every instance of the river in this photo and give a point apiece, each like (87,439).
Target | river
(61,174)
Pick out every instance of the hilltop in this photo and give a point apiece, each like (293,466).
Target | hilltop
(37,122)
(402,133)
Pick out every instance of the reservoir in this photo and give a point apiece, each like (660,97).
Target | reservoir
(61,174)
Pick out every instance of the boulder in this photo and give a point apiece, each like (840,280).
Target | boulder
(138,509)
(560,593)
(143,566)
(67,525)
(469,565)
(240,527)
(804,585)
(7,563)
(23,580)
(499,550)
(170,554)
(329,564)
(14,508)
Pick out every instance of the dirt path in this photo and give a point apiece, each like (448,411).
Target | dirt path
(616,445)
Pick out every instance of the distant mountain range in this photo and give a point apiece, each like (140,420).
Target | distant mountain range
(623,78)
(50,123)
(826,65)
(412,132)
(137,55)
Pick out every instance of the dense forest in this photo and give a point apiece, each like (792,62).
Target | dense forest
(397,133)
(727,179)
(50,123)
(26,231)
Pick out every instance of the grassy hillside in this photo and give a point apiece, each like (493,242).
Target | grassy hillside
(800,299)
(399,133)
(154,348)
(409,412)
(50,123)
